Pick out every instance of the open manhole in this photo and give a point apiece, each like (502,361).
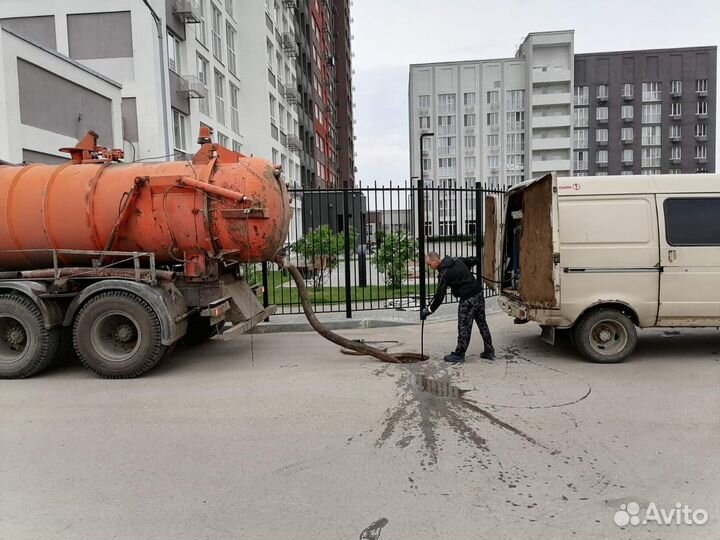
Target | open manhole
(440,386)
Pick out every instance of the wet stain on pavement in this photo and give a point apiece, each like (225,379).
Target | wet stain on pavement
(374,530)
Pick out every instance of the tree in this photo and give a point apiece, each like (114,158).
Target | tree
(321,248)
(393,256)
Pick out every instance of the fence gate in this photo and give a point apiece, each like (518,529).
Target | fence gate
(363,248)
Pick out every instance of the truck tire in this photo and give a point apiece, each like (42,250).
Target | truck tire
(26,346)
(117,335)
(605,336)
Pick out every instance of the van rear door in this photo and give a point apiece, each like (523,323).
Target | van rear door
(690,259)
(492,242)
(531,243)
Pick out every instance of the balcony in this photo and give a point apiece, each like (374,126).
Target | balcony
(701,115)
(627,141)
(601,120)
(628,95)
(493,106)
(469,108)
(601,143)
(627,162)
(601,164)
(493,151)
(289,45)
(701,93)
(676,94)
(192,87)
(577,166)
(469,129)
(602,98)
(493,169)
(551,99)
(552,143)
(446,130)
(291,95)
(701,159)
(550,121)
(675,116)
(675,159)
(701,137)
(494,128)
(676,137)
(628,119)
(188,11)
(551,165)
(424,112)
(547,74)
(469,151)
(294,143)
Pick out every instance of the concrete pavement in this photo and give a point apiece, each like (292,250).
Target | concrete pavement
(278,436)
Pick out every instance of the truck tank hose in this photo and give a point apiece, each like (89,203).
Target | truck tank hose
(359,346)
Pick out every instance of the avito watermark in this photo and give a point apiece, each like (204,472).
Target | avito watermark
(680,514)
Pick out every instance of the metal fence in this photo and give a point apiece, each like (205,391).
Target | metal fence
(359,248)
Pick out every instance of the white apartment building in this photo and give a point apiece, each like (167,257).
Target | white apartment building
(220,63)
(499,121)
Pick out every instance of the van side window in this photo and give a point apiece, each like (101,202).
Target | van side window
(692,222)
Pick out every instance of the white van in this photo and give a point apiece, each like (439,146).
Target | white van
(600,256)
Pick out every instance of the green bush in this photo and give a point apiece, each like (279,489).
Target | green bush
(322,248)
(392,257)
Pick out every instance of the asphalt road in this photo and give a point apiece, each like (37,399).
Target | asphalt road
(288,439)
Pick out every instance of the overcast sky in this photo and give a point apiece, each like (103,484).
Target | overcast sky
(392,34)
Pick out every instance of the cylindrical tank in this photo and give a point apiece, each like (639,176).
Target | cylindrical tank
(76,206)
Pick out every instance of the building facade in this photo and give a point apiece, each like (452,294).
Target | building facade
(645,112)
(547,109)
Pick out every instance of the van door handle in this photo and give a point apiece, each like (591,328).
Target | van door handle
(672,255)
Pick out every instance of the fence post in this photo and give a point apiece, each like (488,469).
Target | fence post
(266,293)
(346,222)
(421,239)
(479,228)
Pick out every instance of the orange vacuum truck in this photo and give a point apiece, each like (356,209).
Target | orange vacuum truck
(125,259)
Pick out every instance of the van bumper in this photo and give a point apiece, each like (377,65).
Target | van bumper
(524,313)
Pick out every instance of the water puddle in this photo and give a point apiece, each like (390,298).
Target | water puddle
(439,386)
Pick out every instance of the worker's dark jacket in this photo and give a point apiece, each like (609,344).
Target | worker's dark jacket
(455,273)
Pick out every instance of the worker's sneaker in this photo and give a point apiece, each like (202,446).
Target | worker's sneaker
(455,358)
(488,355)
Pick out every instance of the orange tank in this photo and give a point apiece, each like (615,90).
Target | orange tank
(220,205)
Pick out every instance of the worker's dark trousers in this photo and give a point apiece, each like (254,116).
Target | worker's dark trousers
(469,311)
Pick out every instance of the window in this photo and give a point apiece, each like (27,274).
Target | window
(469,141)
(580,160)
(580,138)
(651,114)
(701,108)
(223,140)
(675,171)
(234,108)
(580,117)
(230,38)
(648,172)
(676,152)
(237,147)
(692,221)
(601,135)
(675,131)
(601,113)
(446,166)
(426,144)
(201,33)
(701,86)
(446,146)
(492,119)
(220,97)
(446,125)
(578,173)
(581,95)
(628,90)
(493,162)
(626,134)
(202,73)
(216,32)
(174,57)
(515,162)
(493,97)
(627,112)
(676,109)
(601,173)
(424,102)
(180,130)
(469,164)
(701,151)
(515,121)
(602,91)
(469,120)
(469,99)
(446,103)
(700,130)
(627,155)
(493,140)
(601,156)
(513,179)
(515,99)
(626,173)
(676,88)
(515,142)
(650,135)
(650,157)
(426,163)
(651,91)
(424,122)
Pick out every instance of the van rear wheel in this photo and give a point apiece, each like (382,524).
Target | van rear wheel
(605,336)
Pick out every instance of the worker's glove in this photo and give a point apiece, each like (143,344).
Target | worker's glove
(425,313)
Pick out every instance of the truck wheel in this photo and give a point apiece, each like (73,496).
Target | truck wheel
(117,335)
(606,336)
(26,346)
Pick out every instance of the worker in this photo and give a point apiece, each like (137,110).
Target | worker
(455,273)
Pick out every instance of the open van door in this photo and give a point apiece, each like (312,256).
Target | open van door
(492,242)
(531,243)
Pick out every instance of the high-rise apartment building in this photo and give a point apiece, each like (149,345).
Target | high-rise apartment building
(546,109)
(324,84)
